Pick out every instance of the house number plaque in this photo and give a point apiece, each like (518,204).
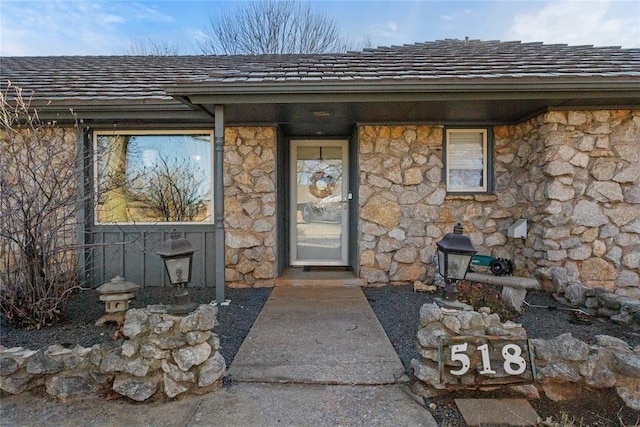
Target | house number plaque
(485,360)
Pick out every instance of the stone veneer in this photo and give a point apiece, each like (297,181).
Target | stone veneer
(250,206)
(575,176)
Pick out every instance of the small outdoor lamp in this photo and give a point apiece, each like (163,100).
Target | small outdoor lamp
(116,294)
(177,255)
(454,256)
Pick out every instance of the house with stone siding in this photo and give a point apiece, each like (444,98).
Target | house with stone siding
(361,160)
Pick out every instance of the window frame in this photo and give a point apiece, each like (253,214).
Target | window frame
(139,132)
(487,161)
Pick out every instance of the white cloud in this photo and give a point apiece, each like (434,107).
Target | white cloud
(145,13)
(391,26)
(600,23)
(73,27)
(387,31)
(112,19)
(59,28)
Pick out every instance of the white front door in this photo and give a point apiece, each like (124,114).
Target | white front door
(319,202)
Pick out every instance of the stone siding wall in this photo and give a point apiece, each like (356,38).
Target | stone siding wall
(575,176)
(405,208)
(250,206)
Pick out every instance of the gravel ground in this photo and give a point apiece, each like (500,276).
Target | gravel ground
(234,320)
(397,308)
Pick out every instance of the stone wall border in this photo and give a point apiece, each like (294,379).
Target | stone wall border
(163,356)
(564,366)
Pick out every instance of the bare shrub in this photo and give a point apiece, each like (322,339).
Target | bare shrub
(38,221)
(483,295)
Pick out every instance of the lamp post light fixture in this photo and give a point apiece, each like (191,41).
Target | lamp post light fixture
(177,255)
(454,256)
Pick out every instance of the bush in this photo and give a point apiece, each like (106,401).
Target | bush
(38,221)
(481,295)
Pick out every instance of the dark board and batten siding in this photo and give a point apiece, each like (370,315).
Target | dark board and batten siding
(129,251)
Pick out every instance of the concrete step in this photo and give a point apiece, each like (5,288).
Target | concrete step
(505,412)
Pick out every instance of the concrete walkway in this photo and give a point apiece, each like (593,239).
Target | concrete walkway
(242,405)
(317,335)
(314,357)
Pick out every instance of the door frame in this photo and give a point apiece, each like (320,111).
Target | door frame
(346,199)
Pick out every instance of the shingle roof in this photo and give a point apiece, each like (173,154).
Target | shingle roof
(97,79)
(443,59)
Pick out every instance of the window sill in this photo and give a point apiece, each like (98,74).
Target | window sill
(475,197)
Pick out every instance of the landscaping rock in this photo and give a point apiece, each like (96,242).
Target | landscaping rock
(212,370)
(565,366)
(40,363)
(135,323)
(576,294)
(133,367)
(8,366)
(189,356)
(64,386)
(136,388)
(627,364)
(172,388)
(202,319)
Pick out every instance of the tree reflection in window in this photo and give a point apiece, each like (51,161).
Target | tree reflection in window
(154,177)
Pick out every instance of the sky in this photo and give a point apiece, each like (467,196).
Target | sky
(112,27)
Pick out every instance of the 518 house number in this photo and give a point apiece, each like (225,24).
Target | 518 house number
(508,359)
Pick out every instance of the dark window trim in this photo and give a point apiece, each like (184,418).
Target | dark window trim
(490,159)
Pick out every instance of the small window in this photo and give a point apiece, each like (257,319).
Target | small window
(153,177)
(466,160)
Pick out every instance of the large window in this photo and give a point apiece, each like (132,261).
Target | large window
(153,176)
(466,160)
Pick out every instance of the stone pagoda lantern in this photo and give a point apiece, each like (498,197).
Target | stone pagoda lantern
(116,295)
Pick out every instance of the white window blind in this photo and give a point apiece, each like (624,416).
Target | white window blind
(466,160)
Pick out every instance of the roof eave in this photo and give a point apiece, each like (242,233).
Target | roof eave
(436,89)
(108,110)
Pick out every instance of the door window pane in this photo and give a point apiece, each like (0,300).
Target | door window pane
(320,210)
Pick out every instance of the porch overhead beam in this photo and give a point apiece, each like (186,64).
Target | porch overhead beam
(218,201)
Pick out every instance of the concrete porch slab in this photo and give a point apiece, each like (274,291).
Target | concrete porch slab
(297,276)
(317,335)
(508,412)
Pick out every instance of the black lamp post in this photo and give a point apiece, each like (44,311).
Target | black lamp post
(177,255)
(454,256)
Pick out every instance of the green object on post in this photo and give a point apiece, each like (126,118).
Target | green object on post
(498,266)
